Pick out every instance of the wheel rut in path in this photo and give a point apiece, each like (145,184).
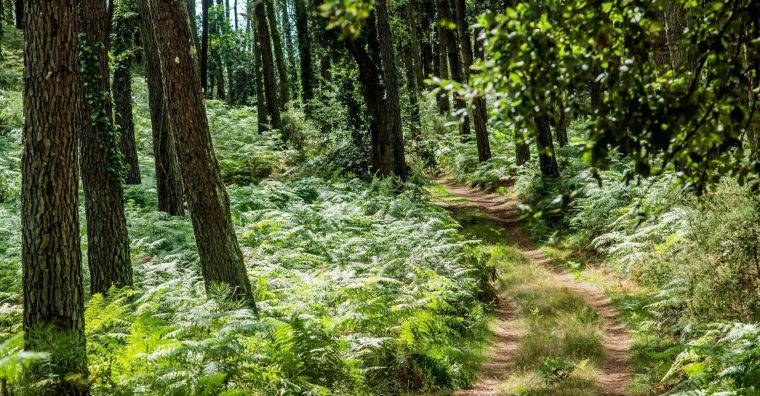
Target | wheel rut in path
(615,372)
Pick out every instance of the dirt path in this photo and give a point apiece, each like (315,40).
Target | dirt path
(616,369)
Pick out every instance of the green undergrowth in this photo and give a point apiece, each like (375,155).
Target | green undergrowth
(362,289)
(681,269)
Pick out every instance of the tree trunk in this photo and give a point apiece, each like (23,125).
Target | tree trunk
(107,240)
(441,68)
(267,65)
(449,45)
(194,27)
(563,121)
(262,114)
(168,181)
(304,49)
(123,47)
(216,56)
(479,111)
(51,259)
(282,70)
(546,155)
(412,92)
(204,46)
(393,108)
(19,14)
(522,151)
(414,50)
(289,48)
(220,256)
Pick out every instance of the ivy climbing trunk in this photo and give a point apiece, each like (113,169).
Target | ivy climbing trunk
(123,47)
(282,70)
(100,162)
(51,258)
(304,49)
(168,181)
(267,64)
(220,256)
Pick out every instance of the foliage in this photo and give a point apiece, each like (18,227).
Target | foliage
(555,370)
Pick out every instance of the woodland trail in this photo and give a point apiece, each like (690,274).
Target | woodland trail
(502,209)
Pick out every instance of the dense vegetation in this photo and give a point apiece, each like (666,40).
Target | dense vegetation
(228,198)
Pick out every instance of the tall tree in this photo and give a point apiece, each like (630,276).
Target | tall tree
(393,108)
(261,107)
(267,64)
(220,256)
(168,180)
(448,40)
(19,14)
(100,162)
(203,59)
(304,49)
(50,255)
(287,30)
(124,43)
(478,110)
(282,70)
(218,27)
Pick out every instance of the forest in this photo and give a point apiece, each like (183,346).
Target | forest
(380,197)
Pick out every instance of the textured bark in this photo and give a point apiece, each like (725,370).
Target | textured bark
(203,58)
(267,65)
(220,256)
(546,155)
(122,94)
(107,240)
(50,254)
(304,48)
(449,45)
(282,70)
(168,181)
(393,108)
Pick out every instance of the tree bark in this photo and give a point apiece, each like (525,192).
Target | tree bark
(267,65)
(193,26)
(19,14)
(168,181)
(282,70)
(304,48)
(393,108)
(51,258)
(546,155)
(441,69)
(107,240)
(123,51)
(220,256)
(412,91)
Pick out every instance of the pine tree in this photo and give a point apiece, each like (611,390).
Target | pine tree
(51,258)
(220,256)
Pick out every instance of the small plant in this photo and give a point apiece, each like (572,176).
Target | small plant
(555,370)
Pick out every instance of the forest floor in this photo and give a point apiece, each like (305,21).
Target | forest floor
(547,321)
